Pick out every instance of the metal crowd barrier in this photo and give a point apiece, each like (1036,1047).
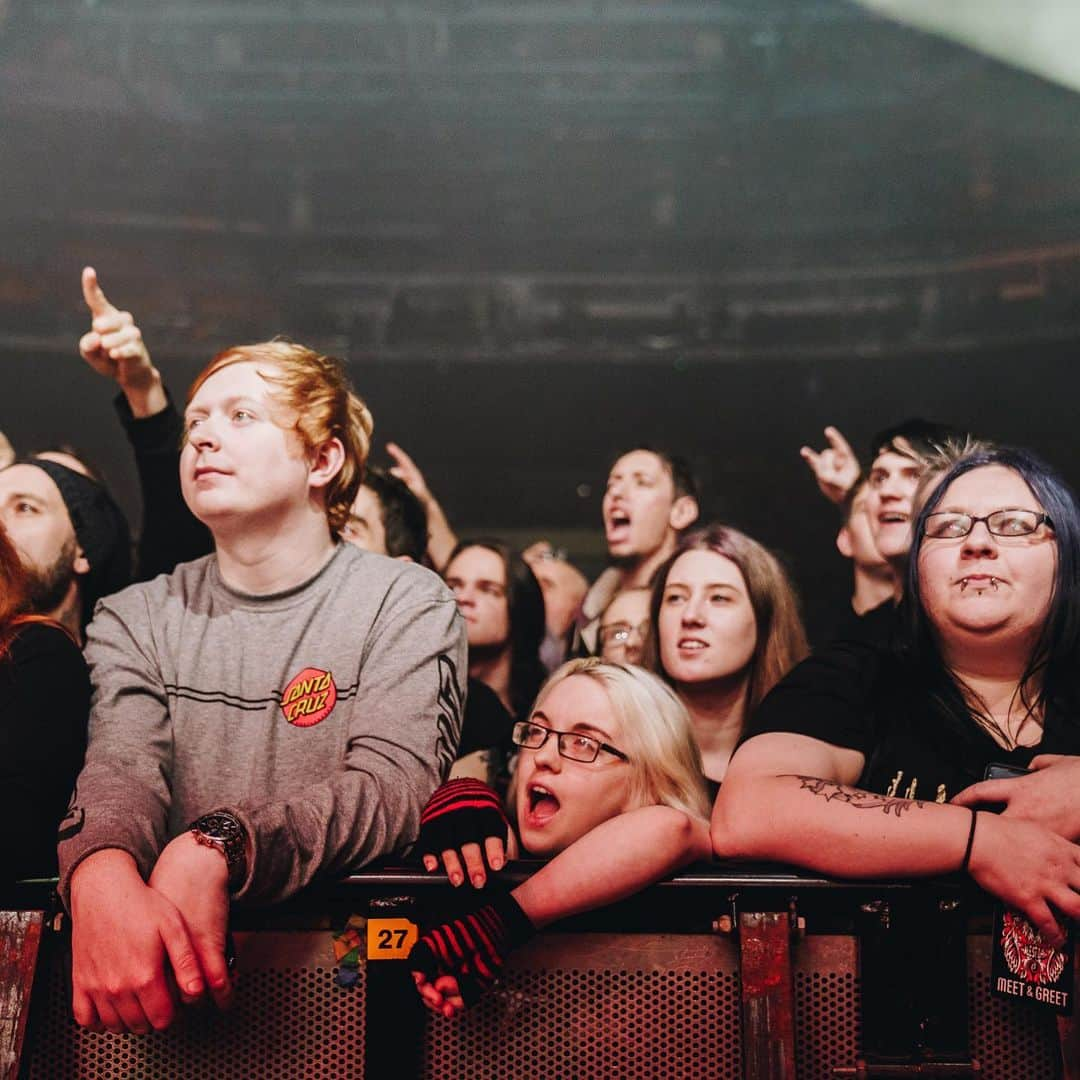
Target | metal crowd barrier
(726,975)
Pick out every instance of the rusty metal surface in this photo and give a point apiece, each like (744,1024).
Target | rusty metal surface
(20,937)
(574,1006)
(601,1006)
(768,995)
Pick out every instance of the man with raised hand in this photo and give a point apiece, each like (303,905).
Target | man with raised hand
(901,455)
(387,518)
(384,518)
(114,347)
(273,712)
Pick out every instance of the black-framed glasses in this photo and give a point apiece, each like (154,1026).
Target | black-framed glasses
(571,744)
(1012,521)
(619,633)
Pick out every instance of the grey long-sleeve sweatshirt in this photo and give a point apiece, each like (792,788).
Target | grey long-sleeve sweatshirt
(323,717)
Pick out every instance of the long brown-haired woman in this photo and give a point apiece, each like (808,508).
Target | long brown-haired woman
(724,629)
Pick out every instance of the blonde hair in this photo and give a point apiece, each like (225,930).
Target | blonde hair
(941,460)
(316,389)
(656,734)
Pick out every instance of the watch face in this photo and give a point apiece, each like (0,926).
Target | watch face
(223,832)
(219,827)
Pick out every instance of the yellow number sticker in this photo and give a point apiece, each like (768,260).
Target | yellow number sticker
(390,939)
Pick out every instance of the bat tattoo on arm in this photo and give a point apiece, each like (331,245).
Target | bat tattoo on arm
(860,800)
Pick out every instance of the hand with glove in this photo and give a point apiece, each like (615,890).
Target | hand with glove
(464,822)
(454,963)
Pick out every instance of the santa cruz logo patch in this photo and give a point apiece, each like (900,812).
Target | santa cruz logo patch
(309,697)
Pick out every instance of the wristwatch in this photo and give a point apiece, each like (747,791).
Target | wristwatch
(220,829)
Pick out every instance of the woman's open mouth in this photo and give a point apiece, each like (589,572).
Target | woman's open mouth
(541,806)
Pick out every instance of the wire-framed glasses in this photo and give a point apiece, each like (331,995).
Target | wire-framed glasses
(620,633)
(571,744)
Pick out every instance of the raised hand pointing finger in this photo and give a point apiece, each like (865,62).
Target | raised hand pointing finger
(93,294)
(114,347)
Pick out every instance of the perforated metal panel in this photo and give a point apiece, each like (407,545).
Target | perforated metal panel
(1012,1040)
(826,1005)
(290,1020)
(575,1006)
(591,1006)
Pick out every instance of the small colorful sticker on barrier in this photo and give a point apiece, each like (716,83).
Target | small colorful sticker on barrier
(390,939)
(347,952)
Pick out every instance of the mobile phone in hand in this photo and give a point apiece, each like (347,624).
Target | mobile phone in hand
(997,770)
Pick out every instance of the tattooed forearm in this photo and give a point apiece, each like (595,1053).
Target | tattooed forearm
(861,800)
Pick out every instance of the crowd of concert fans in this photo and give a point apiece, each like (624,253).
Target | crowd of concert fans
(297,667)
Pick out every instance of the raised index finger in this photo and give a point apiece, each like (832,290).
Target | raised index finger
(96,300)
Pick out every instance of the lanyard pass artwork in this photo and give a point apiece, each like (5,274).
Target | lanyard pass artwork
(1023,966)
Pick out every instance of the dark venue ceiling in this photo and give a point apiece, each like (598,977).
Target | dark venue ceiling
(542,231)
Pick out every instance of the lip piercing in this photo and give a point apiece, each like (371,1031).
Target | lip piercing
(965,582)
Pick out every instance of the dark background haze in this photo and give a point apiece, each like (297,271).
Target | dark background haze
(541,232)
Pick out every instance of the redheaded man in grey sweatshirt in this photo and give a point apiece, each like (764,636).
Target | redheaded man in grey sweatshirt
(280,709)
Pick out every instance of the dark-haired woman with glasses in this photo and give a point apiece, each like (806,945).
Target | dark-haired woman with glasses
(608,786)
(44,702)
(869,763)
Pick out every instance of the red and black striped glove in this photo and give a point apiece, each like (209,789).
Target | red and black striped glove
(460,812)
(473,948)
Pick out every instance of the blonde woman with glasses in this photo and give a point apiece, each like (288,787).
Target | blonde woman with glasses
(608,786)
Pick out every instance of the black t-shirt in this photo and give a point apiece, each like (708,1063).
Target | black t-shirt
(44,703)
(878,626)
(171,533)
(867,699)
(486,724)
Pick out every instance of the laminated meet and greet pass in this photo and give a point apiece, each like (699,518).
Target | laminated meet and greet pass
(1024,967)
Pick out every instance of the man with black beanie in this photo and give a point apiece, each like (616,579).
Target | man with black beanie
(71,536)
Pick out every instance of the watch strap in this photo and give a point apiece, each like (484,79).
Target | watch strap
(226,833)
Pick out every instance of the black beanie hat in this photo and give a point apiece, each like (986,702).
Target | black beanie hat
(100,527)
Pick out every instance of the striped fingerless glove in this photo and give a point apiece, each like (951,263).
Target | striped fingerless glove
(460,812)
(473,948)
